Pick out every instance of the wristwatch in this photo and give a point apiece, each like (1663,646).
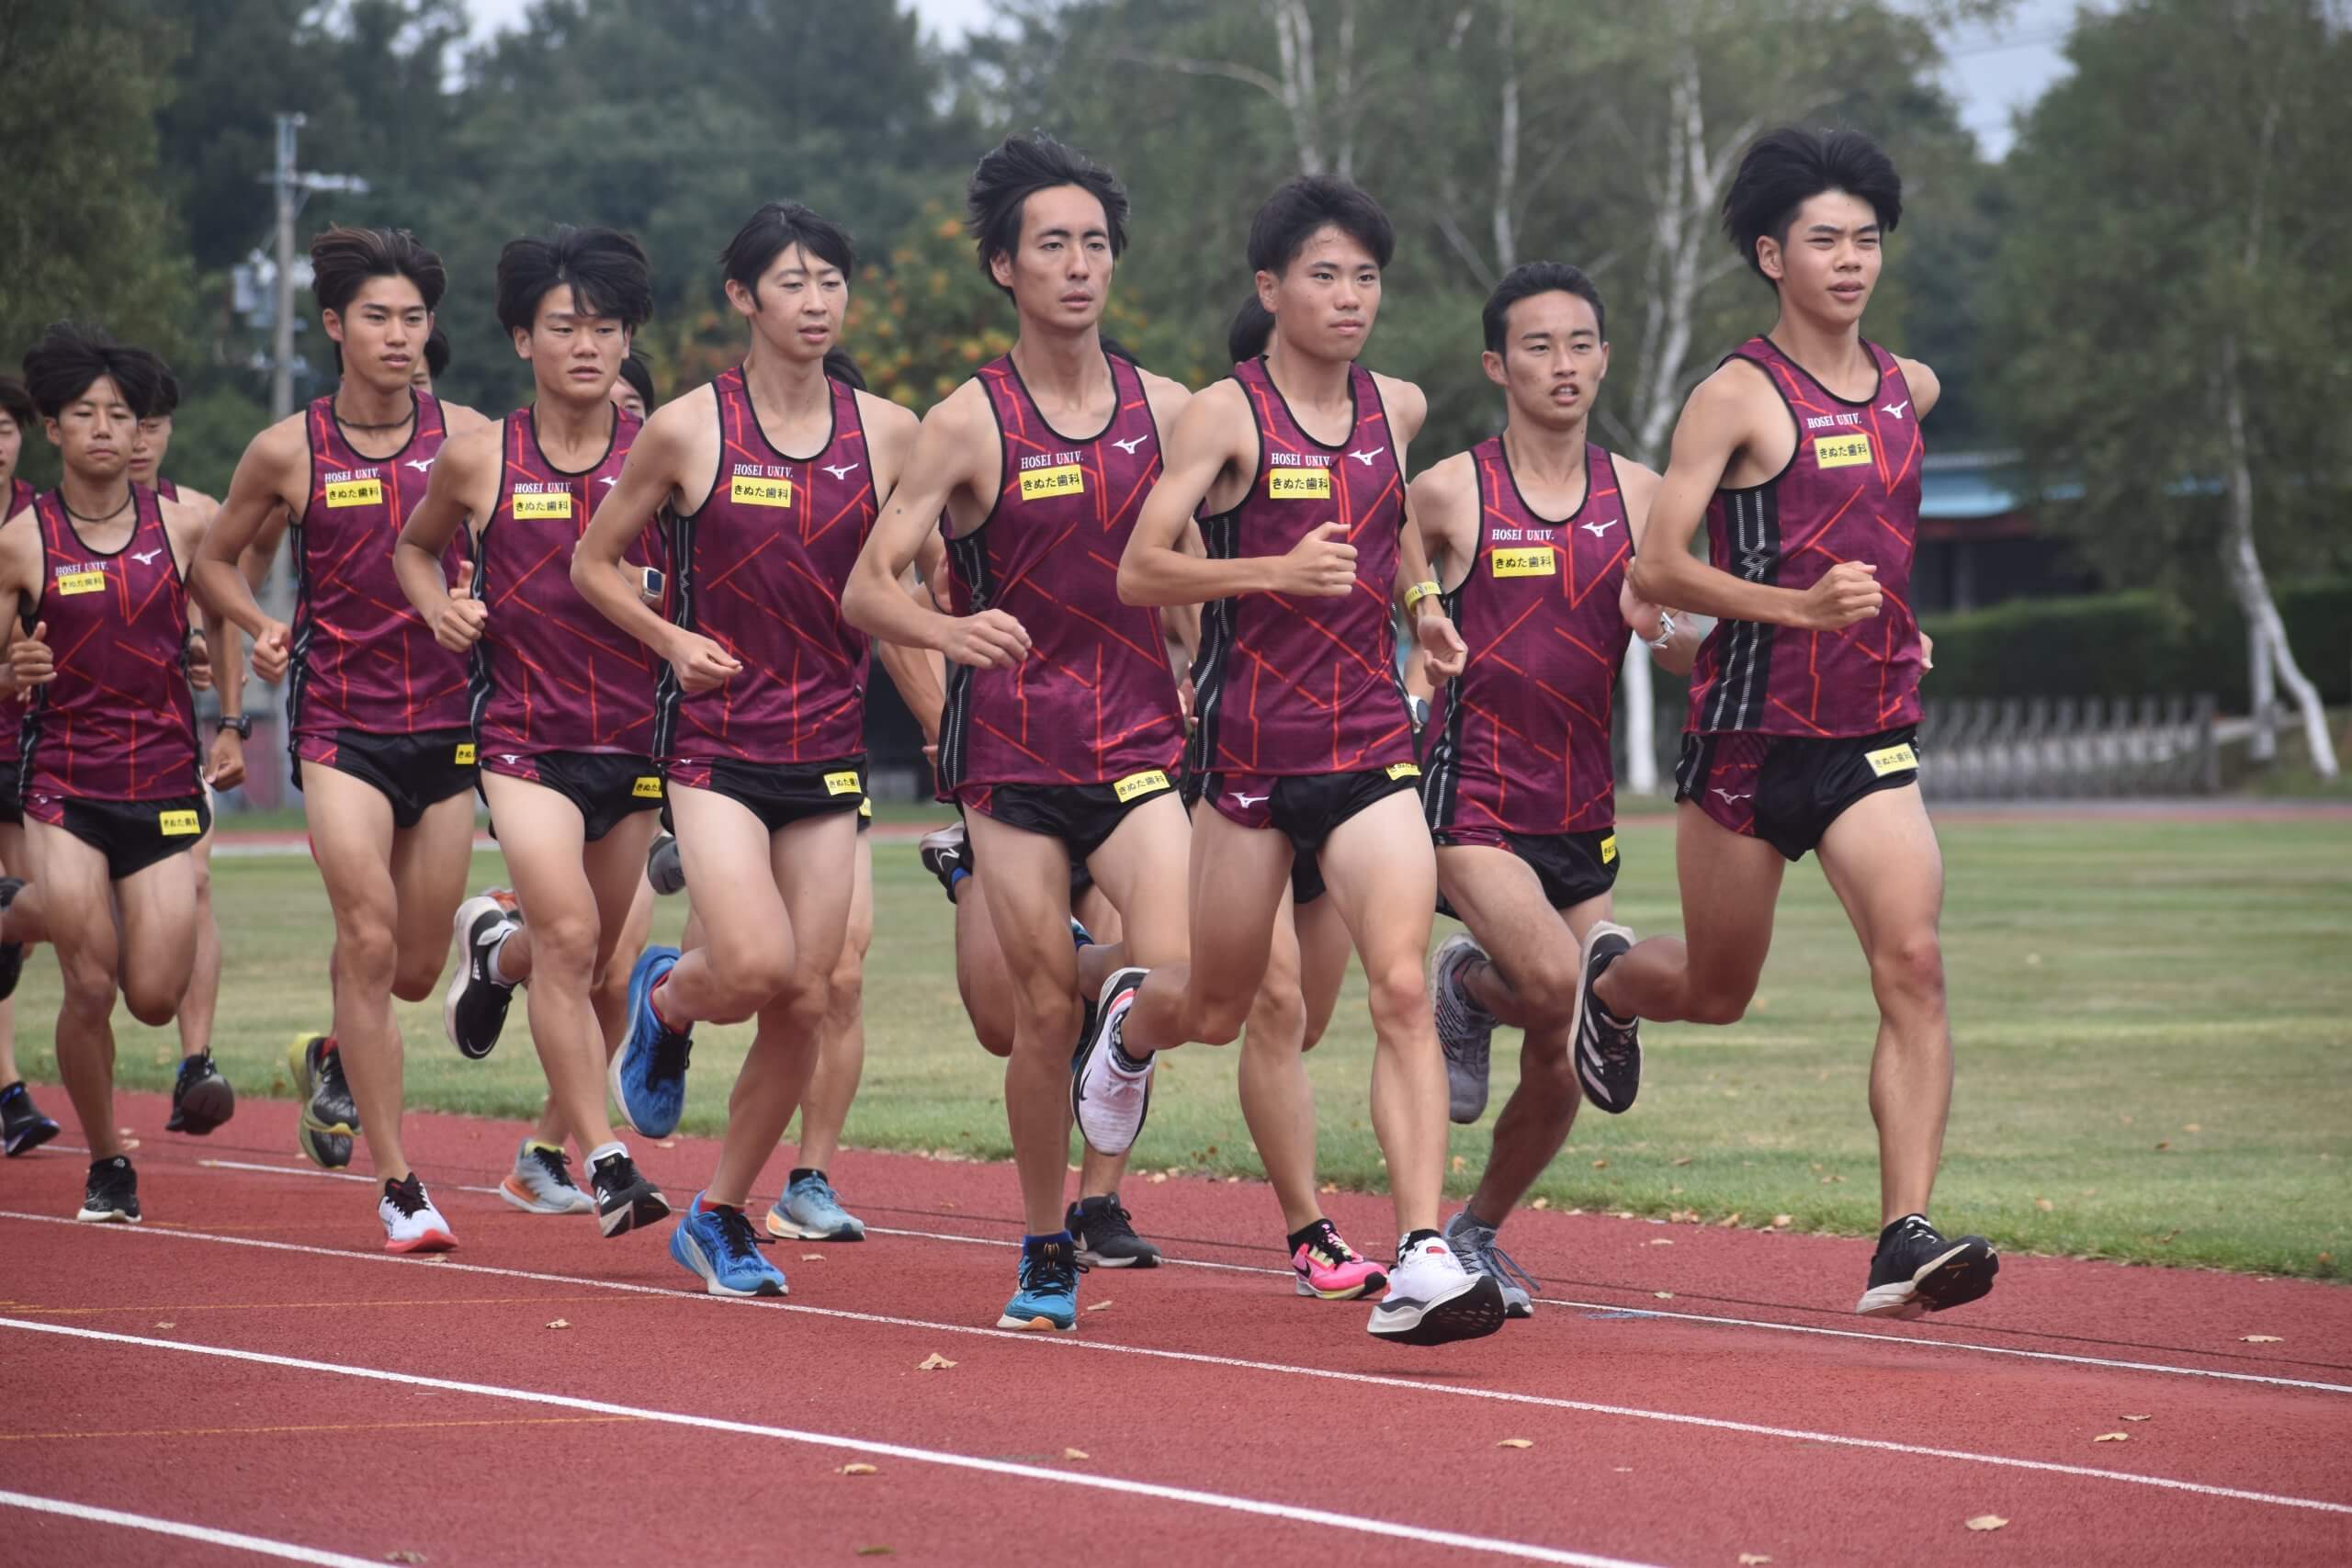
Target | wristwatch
(241,723)
(1666,630)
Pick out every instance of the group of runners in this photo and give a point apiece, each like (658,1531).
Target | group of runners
(1152,635)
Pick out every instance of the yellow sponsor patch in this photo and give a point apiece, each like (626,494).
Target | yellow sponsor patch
(1135,785)
(750,490)
(1062,479)
(354,493)
(178,824)
(82,582)
(1607,848)
(646,789)
(1404,771)
(465,757)
(1534,561)
(1892,759)
(1298,484)
(1841,451)
(545,504)
(844,784)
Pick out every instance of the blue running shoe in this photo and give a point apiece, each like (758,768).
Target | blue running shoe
(719,1245)
(649,1072)
(1048,1299)
(810,1211)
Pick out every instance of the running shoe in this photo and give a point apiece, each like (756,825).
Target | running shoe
(1106,1236)
(1110,1093)
(325,1099)
(111,1193)
(946,851)
(625,1199)
(475,1009)
(22,1126)
(541,1182)
(812,1211)
(202,1097)
(1474,1245)
(1328,1267)
(1916,1270)
(411,1222)
(1047,1300)
(1608,1049)
(718,1244)
(1464,1029)
(12,953)
(649,1072)
(1433,1300)
(504,897)
(665,871)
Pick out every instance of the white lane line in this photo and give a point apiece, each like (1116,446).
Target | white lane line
(259,1545)
(1423,1535)
(1195,1358)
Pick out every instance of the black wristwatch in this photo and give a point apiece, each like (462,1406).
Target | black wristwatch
(241,723)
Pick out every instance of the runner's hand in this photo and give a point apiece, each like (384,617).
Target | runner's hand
(1444,645)
(1927,651)
(1320,566)
(227,769)
(1846,592)
(272,652)
(31,660)
(458,626)
(701,664)
(988,640)
(1639,613)
(199,654)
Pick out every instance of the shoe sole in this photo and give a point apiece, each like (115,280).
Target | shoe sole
(1103,1260)
(32,1138)
(298,1057)
(105,1216)
(1077,1079)
(519,1196)
(1576,1024)
(431,1241)
(644,1209)
(1036,1325)
(205,1107)
(699,1267)
(1461,1112)
(328,1151)
(1471,1312)
(1954,1278)
(462,980)
(613,1065)
(1354,1292)
(785,1228)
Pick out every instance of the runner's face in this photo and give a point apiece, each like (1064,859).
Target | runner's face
(575,357)
(382,331)
(801,300)
(625,396)
(1326,301)
(1553,359)
(153,446)
(93,433)
(421,377)
(1830,263)
(1061,276)
(12,447)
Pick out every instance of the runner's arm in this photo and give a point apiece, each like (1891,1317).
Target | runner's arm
(648,478)
(20,590)
(1690,629)
(911,671)
(257,493)
(456,617)
(1434,637)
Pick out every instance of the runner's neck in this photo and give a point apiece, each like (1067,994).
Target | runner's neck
(1550,461)
(1065,372)
(794,397)
(573,432)
(1317,390)
(1832,353)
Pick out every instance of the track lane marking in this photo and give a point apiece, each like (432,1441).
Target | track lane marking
(323,1426)
(260,1545)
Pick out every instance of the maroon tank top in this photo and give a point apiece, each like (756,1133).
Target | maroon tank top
(364,659)
(1292,687)
(118,722)
(1095,701)
(551,673)
(1522,734)
(12,704)
(1850,491)
(760,567)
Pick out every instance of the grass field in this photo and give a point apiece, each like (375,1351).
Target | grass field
(2154,1025)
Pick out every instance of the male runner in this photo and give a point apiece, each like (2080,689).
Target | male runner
(1530,532)
(1062,723)
(23,1128)
(773,475)
(562,703)
(1802,454)
(633,389)
(376,712)
(111,791)
(1304,749)
(435,363)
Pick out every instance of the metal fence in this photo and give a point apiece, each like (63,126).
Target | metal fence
(2045,747)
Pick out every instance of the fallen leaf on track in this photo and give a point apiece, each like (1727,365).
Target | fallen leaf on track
(1076,1453)
(1663,1295)
(857,1470)
(812,1258)
(1158,1177)
(403,1557)
(560,1322)
(876,1552)
(2139,1417)
(1752,1559)
(2262,1339)
(167,1326)
(1661,1241)
(1986,1522)
(1103,1305)
(934,1362)
(2112,1437)
(1728,1220)
(1328,1187)
(1515,1443)
(667,1144)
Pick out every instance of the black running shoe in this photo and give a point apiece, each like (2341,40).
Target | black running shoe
(1918,1270)
(202,1097)
(23,1126)
(945,852)
(1105,1237)
(1609,1052)
(12,953)
(475,1009)
(663,868)
(317,1077)
(625,1199)
(111,1194)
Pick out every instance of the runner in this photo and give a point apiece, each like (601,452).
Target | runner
(562,703)
(435,362)
(1530,532)
(23,1128)
(111,793)
(633,388)
(773,475)
(1802,454)
(377,711)
(1062,722)
(1304,748)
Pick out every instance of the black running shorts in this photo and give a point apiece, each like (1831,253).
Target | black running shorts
(131,834)
(413,772)
(1788,789)
(604,788)
(1573,867)
(778,794)
(1083,817)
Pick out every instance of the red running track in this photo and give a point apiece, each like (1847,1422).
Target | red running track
(248,1361)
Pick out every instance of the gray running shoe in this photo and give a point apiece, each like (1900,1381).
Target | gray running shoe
(1474,1244)
(1464,1029)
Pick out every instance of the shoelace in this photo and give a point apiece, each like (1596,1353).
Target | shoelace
(558,1165)
(671,1053)
(1057,1271)
(1329,1249)
(737,1239)
(816,1189)
(1114,1222)
(408,1197)
(331,1075)
(1454,998)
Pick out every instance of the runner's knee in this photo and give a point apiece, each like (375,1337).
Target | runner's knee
(564,949)
(1399,1000)
(366,956)
(1548,988)
(1909,969)
(148,1003)
(1277,1019)
(89,983)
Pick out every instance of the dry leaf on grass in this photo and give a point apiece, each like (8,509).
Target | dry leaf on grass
(560,1322)
(2112,1437)
(934,1362)
(1541,1203)
(1102,1306)
(1986,1522)
(1783,1222)
(1158,1177)
(2262,1339)
(2044,1205)
(1515,1443)
(1728,1220)
(1458,1165)
(1684,1160)
(1328,1187)
(858,1469)
(1076,1453)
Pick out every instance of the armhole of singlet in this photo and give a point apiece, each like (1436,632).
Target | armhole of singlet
(31,615)
(1479,530)
(717,468)
(1389,425)
(1617,484)
(1796,426)
(873,481)
(171,550)
(480,537)
(1003,468)
(1257,469)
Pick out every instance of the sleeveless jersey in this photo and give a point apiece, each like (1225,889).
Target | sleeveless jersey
(1850,491)
(363,658)
(12,705)
(1297,686)
(759,571)
(168,488)
(1522,734)
(118,722)
(1095,701)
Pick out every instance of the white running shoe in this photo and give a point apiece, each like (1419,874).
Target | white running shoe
(1464,1029)
(1110,1102)
(1433,1300)
(541,1183)
(411,1222)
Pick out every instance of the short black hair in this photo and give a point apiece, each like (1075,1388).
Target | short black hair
(639,375)
(436,352)
(69,359)
(1783,169)
(605,269)
(1252,326)
(1016,169)
(15,402)
(775,229)
(1301,208)
(1529,279)
(342,259)
(842,369)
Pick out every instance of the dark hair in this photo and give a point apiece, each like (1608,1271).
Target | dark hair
(436,352)
(1017,168)
(15,402)
(607,270)
(1300,208)
(1254,324)
(61,366)
(842,369)
(342,259)
(639,375)
(1783,169)
(1118,350)
(775,229)
(1527,280)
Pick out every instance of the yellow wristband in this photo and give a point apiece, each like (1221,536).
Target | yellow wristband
(1418,591)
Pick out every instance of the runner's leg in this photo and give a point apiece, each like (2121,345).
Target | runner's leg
(429,866)
(745,953)
(197,1009)
(1277,1101)
(351,840)
(981,978)
(1027,888)
(82,926)
(841,1050)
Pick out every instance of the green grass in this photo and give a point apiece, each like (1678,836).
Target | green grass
(2155,1025)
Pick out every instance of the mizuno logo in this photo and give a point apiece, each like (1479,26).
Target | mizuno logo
(1894,411)
(145,557)
(1130,444)
(1247,801)
(422,465)
(608,482)
(509,758)
(1731,799)
(1599,530)
(842,472)
(1366,458)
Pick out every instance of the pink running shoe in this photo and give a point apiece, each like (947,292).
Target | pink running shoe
(1328,1267)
